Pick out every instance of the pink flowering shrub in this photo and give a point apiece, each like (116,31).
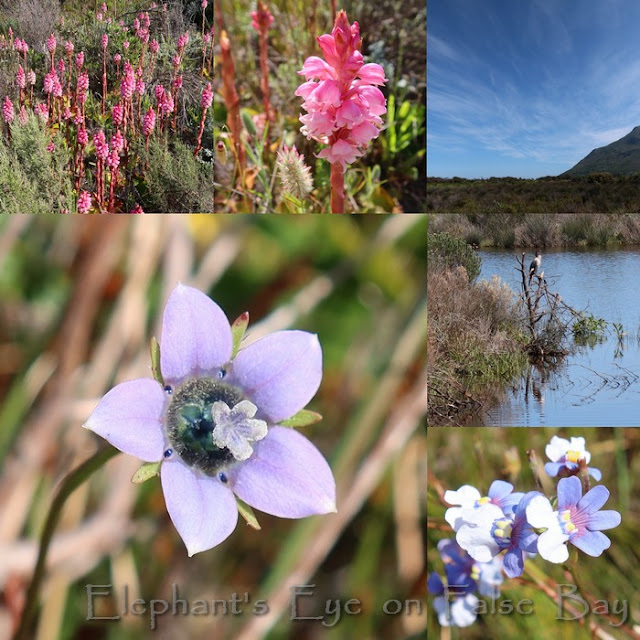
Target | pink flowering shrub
(92,101)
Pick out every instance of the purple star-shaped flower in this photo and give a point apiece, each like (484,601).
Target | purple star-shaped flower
(578,520)
(214,425)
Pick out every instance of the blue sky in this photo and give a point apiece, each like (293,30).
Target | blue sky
(527,88)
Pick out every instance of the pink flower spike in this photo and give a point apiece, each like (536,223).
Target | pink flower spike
(68,47)
(207,96)
(31,77)
(80,60)
(7,110)
(21,79)
(105,40)
(84,202)
(51,44)
(149,122)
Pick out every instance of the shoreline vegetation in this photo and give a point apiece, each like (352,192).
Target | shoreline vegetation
(478,336)
(594,193)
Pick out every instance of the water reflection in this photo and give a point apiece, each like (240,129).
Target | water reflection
(599,382)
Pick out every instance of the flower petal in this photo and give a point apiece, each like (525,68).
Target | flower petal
(130,418)
(280,373)
(569,492)
(196,335)
(202,509)
(286,476)
(499,489)
(594,499)
(593,543)
(552,547)
(603,520)
(466,496)
(513,563)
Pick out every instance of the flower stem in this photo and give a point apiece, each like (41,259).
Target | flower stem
(337,188)
(69,484)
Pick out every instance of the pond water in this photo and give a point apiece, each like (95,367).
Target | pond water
(595,386)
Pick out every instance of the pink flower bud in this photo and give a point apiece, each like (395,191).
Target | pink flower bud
(80,60)
(84,202)
(175,61)
(137,209)
(116,58)
(49,81)
(104,7)
(149,122)
(154,46)
(207,97)
(159,92)
(99,16)
(140,85)
(51,44)
(31,77)
(60,66)
(21,79)
(177,83)
(68,47)
(51,147)
(22,115)
(66,114)
(204,4)
(125,45)
(136,24)
(105,40)
(7,110)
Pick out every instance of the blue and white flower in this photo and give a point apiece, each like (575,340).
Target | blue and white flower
(487,531)
(469,498)
(578,519)
(565,456)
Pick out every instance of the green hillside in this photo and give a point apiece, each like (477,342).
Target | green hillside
(621,157)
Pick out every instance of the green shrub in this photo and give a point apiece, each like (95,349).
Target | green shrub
(176,181)
(447,252)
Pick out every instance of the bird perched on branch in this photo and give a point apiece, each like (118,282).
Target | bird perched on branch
(535,265)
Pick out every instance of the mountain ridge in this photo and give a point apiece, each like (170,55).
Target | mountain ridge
(621,157)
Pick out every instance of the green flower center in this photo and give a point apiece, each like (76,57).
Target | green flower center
(211,425)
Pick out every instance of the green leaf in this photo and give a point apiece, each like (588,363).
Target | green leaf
(302,419)
(155,361)
(247,513)
(238,329)
(146,471)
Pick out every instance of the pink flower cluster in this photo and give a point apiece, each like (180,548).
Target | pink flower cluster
(21,79)
(7,110)
(84,202)
(52,84)
(207,96)
(149,122)
(51,44)
(102,148)
(341,95)
(20,46)
(261,19)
